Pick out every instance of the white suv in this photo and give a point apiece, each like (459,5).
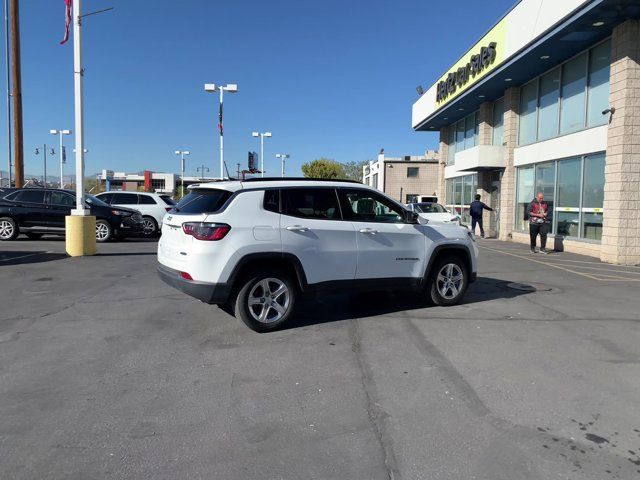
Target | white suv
(152,206)
(254,246)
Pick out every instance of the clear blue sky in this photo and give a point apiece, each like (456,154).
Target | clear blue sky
(329,78)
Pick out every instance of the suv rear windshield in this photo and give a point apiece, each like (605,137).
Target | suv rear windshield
(203,200)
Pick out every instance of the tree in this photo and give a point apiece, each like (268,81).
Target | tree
(353,170)
(323,168)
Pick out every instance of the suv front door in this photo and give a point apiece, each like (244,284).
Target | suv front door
(312,229)
(60,205)
(388,246)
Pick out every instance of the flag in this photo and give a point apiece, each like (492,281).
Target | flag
(67,20)
(220,120)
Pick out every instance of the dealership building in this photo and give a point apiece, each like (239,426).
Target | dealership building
(548,100)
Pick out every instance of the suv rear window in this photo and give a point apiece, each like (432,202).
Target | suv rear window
(203,201)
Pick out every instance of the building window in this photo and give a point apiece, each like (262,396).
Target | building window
(575,194)
(528,107)
(549,104)
(374,180)
(574,82)
(462,135)
(593,197)
(157,184)
(413,172)
(451,145)
(569,98)
(459,194)
(524,195)
(498,122)
(598,92)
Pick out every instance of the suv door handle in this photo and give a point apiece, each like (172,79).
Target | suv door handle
(298,228)
(369,231)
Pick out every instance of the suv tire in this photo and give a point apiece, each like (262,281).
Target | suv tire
(149,227)
(8,229)
(448,281)
(104,232)
(266,300)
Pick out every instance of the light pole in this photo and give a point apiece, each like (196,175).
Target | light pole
(282,157)
(231,88)
(44,151)
(182,153)
(63,156)
(261,135)
(9,139)
(202,169)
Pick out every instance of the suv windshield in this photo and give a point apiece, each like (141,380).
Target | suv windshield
(203,200)
(429,208)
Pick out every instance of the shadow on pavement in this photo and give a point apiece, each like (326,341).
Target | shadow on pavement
(124,254)
(336,307)
(27,257)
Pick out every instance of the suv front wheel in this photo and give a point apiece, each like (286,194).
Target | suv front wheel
(266,300)
(448,281)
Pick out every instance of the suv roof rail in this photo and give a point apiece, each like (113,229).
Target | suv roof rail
(297,179)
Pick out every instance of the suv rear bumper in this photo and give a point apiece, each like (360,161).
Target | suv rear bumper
(213,293)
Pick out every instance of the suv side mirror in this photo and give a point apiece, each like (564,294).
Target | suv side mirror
(412,217)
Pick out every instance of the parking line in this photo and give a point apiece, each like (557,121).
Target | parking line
(542,263)
(22,256)
(599,269)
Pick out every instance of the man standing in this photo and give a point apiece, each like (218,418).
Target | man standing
(475,210)
(539,221)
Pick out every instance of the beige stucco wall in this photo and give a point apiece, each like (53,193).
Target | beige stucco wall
(396,179)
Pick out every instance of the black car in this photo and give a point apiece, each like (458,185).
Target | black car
(39,211)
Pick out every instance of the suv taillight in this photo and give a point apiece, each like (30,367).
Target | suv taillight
(205,230)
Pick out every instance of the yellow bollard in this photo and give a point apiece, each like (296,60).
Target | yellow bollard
(80,235)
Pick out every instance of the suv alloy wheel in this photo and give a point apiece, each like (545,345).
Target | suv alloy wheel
(149,226)
(448,281)
(266,300)
(8,229)
(103,231)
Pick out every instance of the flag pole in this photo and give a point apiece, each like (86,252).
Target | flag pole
(78,74)
(80,226)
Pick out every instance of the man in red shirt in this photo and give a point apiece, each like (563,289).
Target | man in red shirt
(539,222)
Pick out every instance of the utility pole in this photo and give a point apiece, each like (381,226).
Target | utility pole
(238,174)
(8,62)
(17,95)
(202,169)
(44,151)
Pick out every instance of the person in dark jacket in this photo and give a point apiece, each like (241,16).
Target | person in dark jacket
(539,222)
(475,210)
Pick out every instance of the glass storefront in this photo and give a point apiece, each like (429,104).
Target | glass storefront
(460,192)
(574,190)
(462,135)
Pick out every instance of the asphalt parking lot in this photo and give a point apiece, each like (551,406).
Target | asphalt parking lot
(105,372)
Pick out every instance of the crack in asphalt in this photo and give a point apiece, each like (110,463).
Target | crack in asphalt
(375,412)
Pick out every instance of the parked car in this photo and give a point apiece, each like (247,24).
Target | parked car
(254,246)
(433,212)
(152,206)
(38,211)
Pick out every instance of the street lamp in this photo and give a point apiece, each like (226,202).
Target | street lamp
(63,156)
(261,135)
(182,153)
(231,88)
(282,157)
(202,169)
(44,151)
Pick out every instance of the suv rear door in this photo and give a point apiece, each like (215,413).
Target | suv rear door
(388,246)
(60,205)
(29,207)
(312,229)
